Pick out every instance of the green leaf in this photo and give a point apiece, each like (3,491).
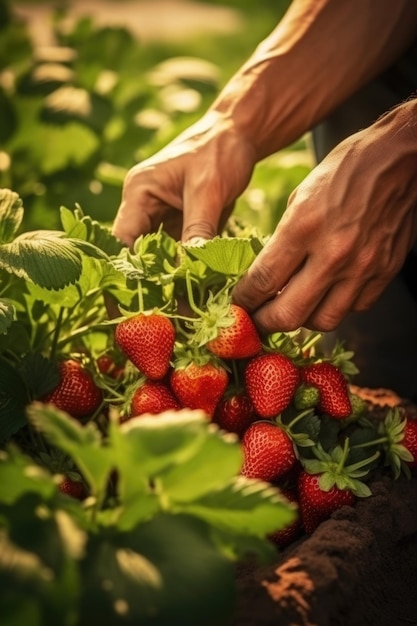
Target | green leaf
(11,214)
(245,507)
(7,315)
(165,571)
(194,477)
(19,475)
(42,257)
(82,443)
(69,103)
(227,255)
(148,446)
(39,373)
(14,397)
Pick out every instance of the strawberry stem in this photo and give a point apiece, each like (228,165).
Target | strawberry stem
(140,296)
(57,330)
(190,295)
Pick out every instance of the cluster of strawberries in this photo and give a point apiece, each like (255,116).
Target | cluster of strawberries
(295,414)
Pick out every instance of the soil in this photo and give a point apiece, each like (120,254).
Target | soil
(358,568)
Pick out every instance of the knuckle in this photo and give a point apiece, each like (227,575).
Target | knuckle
(262,280)
(325,321)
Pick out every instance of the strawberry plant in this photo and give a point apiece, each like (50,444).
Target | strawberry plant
(146,428)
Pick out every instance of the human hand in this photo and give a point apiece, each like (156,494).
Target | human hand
(189,186)
(345,234)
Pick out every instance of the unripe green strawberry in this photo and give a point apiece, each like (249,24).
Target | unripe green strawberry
(268,452)
(76,393)
(306,396)
(147,339)
(271,380)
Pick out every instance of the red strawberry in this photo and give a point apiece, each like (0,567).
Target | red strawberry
(316,505)
(153,397)
(409,440)
(147,339)
(333,388)
(287,535)
(74,488)
(199,386)
(107,365)
(238,339)
(76,393)
(234,412)
(268,452)
(271,379)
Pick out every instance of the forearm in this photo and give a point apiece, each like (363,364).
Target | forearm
(320,53)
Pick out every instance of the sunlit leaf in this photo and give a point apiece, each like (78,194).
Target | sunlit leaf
(42,257)
(19,475)
(228,255)
(11,214)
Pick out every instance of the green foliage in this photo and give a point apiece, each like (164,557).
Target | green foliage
(75,117)
(159,531)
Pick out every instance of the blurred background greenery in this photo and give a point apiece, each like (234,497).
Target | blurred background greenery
(88,89)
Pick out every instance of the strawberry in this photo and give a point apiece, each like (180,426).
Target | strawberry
(283,537)
(199,385)
(154,397)
(268,452)
(76,393)
(107,365)
(398,434)
(237,338)
(316,505)
(271,379)
(74,488)
(147,339)
(329,481)
(234,412)
(409,440)
(333,388)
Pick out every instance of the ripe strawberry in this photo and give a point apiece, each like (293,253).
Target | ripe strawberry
(154,397)
(234,412)
(316,505)
(271,379)
(76,393)
(410,440)
(283,537)
(268,452)
(199,385)
(333,388)
(238,339)
(147,339)
(107,365)
(74,488)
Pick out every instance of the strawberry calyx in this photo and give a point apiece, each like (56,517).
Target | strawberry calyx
(392,430)
(295,427)
(218,314)
(333,470)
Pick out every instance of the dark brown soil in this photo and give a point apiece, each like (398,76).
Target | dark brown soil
(359,568)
